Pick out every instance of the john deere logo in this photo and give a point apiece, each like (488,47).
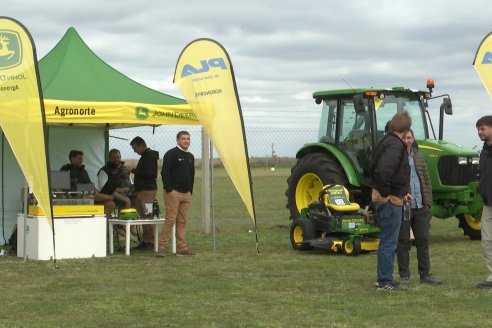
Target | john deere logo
(10,49)
(142,113)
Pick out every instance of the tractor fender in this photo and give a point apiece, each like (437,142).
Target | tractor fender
(352,176)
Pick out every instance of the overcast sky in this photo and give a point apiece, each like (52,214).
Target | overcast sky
(282,51)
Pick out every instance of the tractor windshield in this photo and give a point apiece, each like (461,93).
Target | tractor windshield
(391,104)
(351,130)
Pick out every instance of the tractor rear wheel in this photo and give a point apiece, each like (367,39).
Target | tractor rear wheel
(308,177)
(302,229)
(471,226)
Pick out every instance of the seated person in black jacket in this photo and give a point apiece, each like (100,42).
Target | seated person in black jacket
(78,175)
(114,179)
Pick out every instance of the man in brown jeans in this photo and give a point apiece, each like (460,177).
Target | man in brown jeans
(178,174)
(145,183)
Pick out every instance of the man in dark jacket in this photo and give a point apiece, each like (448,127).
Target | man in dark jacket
(79,175)
(484,127)
(391,177)
(145,183)
(419,221)
(178,173)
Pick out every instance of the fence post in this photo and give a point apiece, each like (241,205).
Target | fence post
(205,183)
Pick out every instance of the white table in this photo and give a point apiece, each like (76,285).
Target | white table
(129,223)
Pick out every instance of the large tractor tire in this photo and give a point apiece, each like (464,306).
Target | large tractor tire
(471,226)
(308,177)
(302,229)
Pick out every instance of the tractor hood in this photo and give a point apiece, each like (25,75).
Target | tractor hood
(439,148)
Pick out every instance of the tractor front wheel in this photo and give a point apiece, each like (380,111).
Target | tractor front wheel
(471,226)
(302,229)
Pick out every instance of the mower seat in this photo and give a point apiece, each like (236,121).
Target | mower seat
(335,197)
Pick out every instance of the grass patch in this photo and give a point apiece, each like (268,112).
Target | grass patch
(234,287)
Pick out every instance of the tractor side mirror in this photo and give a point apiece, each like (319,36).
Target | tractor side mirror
(446,106)
(359,104)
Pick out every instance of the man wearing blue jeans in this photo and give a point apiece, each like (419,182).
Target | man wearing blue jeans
(391,184)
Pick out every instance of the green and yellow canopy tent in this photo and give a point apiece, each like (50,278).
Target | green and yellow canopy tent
(84,98)
(79,88)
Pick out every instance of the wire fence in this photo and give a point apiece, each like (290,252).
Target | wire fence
(270,144)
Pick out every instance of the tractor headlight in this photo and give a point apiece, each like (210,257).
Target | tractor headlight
(475,160)
(462,160)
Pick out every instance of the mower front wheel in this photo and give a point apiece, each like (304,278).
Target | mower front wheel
(351,247)
(302,229)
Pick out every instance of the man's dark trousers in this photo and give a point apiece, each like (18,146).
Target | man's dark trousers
(419,221)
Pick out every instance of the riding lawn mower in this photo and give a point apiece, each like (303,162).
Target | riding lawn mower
(334,223)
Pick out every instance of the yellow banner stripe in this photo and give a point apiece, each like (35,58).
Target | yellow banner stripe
(92,112)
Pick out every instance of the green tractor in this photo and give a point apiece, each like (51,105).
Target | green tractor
(352,122)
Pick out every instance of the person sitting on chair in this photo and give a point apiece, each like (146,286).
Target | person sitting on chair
(114,179)
(78,174)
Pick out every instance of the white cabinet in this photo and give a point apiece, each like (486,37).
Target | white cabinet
(75,237)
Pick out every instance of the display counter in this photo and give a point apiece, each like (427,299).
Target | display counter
(80,232)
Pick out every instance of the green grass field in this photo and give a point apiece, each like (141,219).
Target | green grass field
(235,287)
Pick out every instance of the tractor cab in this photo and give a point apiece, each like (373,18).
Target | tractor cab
(354,120)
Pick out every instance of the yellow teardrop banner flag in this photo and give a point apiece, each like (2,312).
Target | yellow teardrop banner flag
(21,109)
(205,76)
(483,62)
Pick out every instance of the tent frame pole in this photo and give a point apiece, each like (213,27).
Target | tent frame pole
(24,228)
(212,200)
(205,183)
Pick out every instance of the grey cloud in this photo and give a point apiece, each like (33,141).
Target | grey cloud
(282,51)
